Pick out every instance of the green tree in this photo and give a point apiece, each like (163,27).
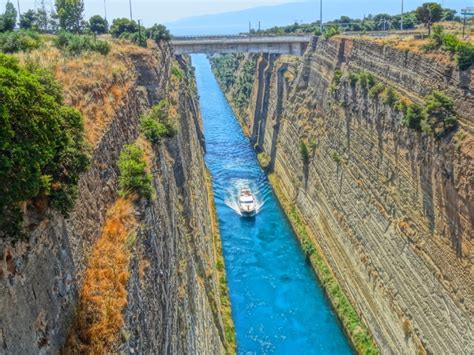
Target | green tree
(8,19)
(70,15)
(440,109)
(29,20)
(98,25)
(429,13)
(42,146)
(159,33)
(123,25)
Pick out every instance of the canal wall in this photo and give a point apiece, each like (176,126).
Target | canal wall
(389,207)
(173,292)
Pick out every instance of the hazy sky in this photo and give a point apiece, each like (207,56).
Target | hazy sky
(165,11)
(161,10)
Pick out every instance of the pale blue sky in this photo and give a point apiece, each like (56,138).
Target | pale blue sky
(166,11)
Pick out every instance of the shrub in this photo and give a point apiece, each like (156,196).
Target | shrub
(42,146)
(177,72)
(353,78)
(376,90)
(133,177)
(12,42)
(336,157)
(440,110)
(158,33)
(413,117)
(154,131)
(366,80)
(76,44)
(304,152)
(465,55)
(98,25)
(331,31)
(123,25)
(390,97)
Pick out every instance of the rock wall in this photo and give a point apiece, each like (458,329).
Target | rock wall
(391,207)
(171,304)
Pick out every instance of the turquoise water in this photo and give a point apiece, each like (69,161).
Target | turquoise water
(278,305)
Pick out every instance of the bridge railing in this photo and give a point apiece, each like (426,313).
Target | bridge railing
(241,36)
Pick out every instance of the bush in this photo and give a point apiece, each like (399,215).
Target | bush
(133,177)
(440,110)
(465,55)
(154,131)
(331,31)
(42,146)
(122,25)
(76,44)
(12,42)
(304,152)
(177,72)
(376,90)
(98,25)
(390,97)
(158,33)
(413,117)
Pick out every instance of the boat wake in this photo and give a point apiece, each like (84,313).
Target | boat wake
(233,193)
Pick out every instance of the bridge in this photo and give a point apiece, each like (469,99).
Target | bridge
(294,45)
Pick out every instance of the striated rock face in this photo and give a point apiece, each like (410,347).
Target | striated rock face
(173,304)
(391,207)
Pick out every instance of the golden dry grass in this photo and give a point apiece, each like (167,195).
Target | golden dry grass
(103,296)
(94,84)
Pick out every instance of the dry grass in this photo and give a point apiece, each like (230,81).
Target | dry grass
(94,84)
(104,295)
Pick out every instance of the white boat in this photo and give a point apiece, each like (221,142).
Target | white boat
(247,203)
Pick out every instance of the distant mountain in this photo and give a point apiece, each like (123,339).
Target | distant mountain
(279,15)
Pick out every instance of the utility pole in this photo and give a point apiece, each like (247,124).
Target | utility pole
(139,33)
(105,11)
(130,3)
(321,16)
(401,22)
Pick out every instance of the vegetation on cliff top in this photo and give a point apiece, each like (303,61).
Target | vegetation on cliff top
(42,144)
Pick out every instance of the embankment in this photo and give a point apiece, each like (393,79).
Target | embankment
(174,288)
(389,206)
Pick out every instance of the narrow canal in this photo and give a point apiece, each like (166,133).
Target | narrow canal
(278,305)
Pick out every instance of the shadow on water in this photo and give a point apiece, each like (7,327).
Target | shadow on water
(278,305)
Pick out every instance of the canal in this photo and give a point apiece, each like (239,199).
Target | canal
(278,305)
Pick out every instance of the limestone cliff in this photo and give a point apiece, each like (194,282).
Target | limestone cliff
(390,207)
(174,304)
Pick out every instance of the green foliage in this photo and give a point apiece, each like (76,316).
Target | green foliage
(413,117)
(122,25)
(154,131)
(464,51)
(376,90)
(98,25)
(331,31)
(225,66)
(366,80)
(16,41)
(304,152)
(390,97)
(70,15)
(429,13)
(177,72)
(440,110)
(244,86)
(336,157)
(133,177)
(264,160)
(42,148)
(8,19)
(158,33)
(155,125)
(28,20)
(336,80)
(74,44)
(465,55)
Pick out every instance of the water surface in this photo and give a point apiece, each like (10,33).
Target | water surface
(278,305)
